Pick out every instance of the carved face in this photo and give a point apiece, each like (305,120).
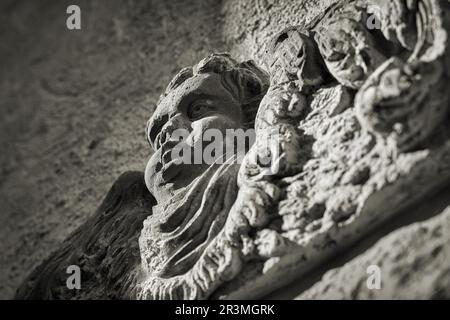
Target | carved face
(349,51)
(199,103)
(404,102)
(293,56)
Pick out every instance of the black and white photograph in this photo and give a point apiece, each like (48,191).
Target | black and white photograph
(245,150)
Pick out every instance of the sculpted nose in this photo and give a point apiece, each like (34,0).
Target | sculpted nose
(166,132)
(154,127)
(161,123)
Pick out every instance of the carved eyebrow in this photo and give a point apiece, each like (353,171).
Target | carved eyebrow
(192,97)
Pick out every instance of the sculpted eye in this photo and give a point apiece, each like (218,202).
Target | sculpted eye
(199,109)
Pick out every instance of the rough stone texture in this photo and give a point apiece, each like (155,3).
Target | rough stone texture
(394,248)
(350,160)
(414,262)
(248,25)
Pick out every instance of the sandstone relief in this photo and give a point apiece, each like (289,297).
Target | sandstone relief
(352,128)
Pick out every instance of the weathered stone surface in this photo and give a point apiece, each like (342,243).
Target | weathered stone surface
(73,104)
(414,263)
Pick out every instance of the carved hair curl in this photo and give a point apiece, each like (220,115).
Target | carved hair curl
(246,82)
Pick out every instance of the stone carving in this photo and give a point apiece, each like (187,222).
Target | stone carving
(351,119)
(273,226)
(293,56)
(406,99)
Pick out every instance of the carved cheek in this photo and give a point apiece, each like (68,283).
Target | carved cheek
(151,171)
(195,136)
(216,122)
